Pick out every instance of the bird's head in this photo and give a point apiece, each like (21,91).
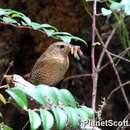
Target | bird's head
(64,48)
(59,47)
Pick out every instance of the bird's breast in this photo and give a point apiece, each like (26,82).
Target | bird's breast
(52,72)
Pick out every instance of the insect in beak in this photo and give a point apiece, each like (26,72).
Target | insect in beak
(76,51)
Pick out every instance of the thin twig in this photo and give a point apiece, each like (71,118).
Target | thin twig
(105,46)
(123,53)
(119,57)
(9,67)
(116,89)
(119,80)
(77,76)
(25,125)
(115,58)
(4,86)
(94,72)
(116,72)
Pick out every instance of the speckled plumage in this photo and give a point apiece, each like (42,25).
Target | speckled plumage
(52,65)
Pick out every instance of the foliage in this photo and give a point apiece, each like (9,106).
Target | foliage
(4,127)
(123,5)
(2,99)
(56,105)
(16,18)
(120,9)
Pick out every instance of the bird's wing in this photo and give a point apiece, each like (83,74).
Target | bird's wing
(41,62)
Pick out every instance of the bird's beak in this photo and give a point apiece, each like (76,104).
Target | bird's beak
(68,48)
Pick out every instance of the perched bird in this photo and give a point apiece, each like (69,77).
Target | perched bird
(52,65)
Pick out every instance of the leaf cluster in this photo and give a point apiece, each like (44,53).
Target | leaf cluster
(58,107)
(16,18)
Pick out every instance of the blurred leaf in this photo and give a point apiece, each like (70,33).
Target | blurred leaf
(79,39)
(47,119)
(58,96)
(2,12)
(34,119)
(1,114)
(2,99)
(106,12)
(45,27)
(67,37)
(60,117)
(93,0)
(26,19)
(18,96)
(32,92)
(35,25)
(9,20)
(47,91)
(126,6)
(36,94)
(82,114)
(49,32)
(4,127)
(48,26)
(88,111)
(73,116)
(116,6)
(68,98)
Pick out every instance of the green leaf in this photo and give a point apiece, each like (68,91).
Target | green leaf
(37,95)
(82,114)
(16,15)
(47,91)
(57,95)
(34,119)
(4,127)
(2,99)
(78,39)
(49,32)
(68,98)
(34,93)
(2,12)
(18,96)
(26,90)
(9,20)
(66,37)
(26,19)
(106,12)
(60,117)
(73,116)
(45,27)
(1,114)
(35,25)
(116,6)
(48,26)
(126,6)
(47,119)
(88,111)
(93,0)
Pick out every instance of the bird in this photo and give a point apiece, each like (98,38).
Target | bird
(52,65)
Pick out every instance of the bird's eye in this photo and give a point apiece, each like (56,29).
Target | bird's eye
(61,46)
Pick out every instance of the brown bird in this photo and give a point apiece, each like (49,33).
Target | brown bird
(52,65)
